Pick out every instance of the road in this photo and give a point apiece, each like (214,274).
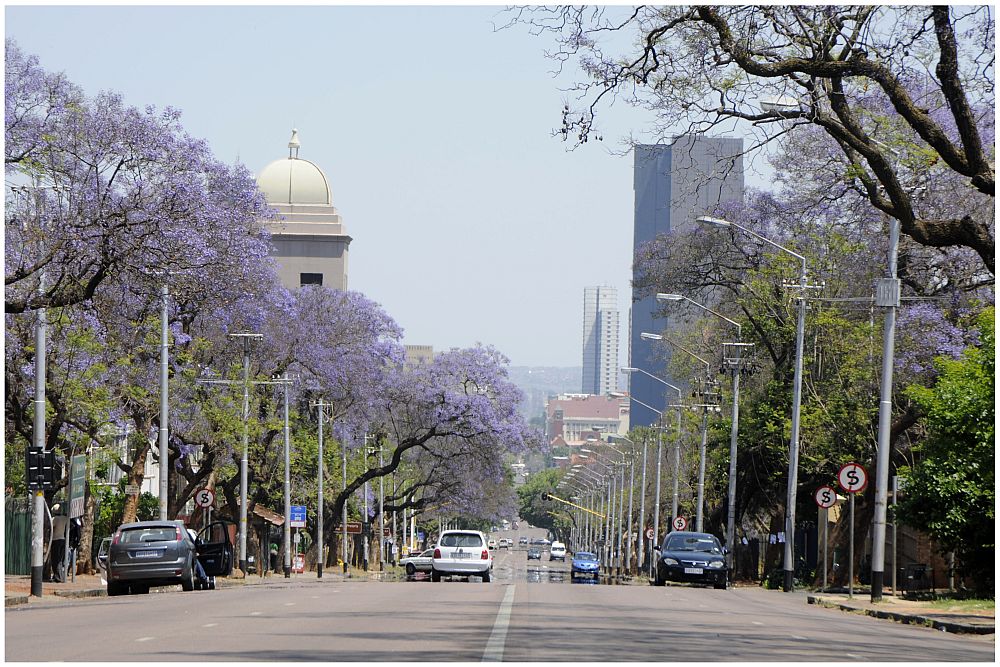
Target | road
(529,613)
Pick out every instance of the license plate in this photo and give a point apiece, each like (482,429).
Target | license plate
(460,555)
(148,554)
(694,570)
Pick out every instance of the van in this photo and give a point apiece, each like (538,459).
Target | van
(557,550)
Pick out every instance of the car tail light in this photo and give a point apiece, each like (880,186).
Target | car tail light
(486,554)
(118,534)
(179,538)
(437,553)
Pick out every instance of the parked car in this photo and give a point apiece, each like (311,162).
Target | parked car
(691,557)
(161,553)
(557,551)
(421,562)
(584,564)
(534,553)
(462,553)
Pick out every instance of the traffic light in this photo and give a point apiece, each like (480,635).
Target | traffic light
(545,496)
(34,458)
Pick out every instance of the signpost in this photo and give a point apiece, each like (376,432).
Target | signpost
(679,523)
(649,533)
(826,497)
(78,485)
(353,527)
(205,498)
(297,516)
(852,478)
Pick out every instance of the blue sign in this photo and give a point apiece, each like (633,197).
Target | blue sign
(298,516)
(421,535)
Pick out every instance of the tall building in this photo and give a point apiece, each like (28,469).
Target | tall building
(309,238)
(674,184)
(600,340)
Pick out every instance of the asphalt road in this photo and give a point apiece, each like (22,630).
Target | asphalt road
(528,613)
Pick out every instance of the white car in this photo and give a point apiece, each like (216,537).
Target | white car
(418,562)
(492,544)
(462,553)
(557,550)
(503,543)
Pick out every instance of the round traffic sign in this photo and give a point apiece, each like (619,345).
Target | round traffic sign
(650,534)
(853,478)
(826,497)
(679,523)
(204,497)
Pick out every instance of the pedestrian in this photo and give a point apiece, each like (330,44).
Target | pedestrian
(274,557)
(57,554)
(198,569)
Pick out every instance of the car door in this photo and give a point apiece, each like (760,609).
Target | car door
(216,549)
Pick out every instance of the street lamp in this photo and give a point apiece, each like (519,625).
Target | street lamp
(734,432)
(793,447)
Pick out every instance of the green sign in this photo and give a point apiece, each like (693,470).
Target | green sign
(77,485)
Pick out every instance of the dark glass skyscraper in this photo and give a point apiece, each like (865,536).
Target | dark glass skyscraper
(674,184)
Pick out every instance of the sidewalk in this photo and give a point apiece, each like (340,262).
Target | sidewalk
(918,612)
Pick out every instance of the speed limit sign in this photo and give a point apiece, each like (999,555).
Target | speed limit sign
(679,523)
(853,478)
(826,497)
(204,497)
(650,534)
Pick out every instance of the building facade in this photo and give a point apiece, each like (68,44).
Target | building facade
(575,419)
(600,340)
(674,184)
(309,239)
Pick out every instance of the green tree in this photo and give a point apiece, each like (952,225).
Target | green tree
(546,514)
(950,490)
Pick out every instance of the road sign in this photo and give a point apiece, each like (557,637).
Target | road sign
(650,534)
(78,485)
(353,527)
(853,478)
(132,489)
(204,497)
(299,564)
(297,516)
(826,497)
(679,523)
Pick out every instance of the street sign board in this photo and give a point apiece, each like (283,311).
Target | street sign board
(353,527)
(297,516)
(853,478)
(204,497)
(78,485)
(826,497)
(132,489)
(650,534)
(679,523)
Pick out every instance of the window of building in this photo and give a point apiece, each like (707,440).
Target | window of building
(310,279)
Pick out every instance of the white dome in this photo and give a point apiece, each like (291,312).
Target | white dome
(294,181)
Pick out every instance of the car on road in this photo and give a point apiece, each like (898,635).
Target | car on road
(462,553)
(534,553)
(691,557)
(557,551)
(492,544)
(523,541)
(503,543)
(584,564)
(421,562)
(161,553)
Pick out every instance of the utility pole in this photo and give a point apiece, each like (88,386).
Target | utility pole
(381,515)
(320,405)
(38,515)
(164,408)
(343,511)
(288,486)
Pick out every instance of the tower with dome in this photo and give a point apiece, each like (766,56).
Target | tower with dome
(309,238)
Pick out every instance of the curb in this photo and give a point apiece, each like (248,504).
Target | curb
(87,593)
(13,600)
(910,619)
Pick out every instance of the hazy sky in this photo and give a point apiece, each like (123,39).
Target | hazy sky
(471,223)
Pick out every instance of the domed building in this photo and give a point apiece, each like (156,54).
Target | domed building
(309,238)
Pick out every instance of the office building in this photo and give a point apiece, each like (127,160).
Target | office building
(674,184)
(600,340)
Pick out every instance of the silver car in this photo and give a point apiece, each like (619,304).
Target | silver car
(418,562)
(161,553)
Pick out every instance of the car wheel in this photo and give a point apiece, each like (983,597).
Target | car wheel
(486,577)
(115,588)
(187,583)
(721,585)
(435,575)
(411,569)
(140,589)
(657,581)
(211,583)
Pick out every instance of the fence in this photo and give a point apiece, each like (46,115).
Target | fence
(17,535)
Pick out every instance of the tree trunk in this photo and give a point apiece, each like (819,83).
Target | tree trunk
(84,563)
(135,476)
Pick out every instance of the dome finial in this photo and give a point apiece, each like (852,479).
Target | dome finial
(293,145)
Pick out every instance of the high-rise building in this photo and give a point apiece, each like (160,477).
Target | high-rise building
(674,184)
(600,340)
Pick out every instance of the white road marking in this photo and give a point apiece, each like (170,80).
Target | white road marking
(144,639)
(209,625)
(289,604)
(495,645)
(855,656)
(799,637)
(757,623)
(256,613)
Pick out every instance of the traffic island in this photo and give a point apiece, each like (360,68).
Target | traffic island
(963,623)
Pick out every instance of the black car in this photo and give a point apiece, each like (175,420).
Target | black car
(693,558)
(534,553)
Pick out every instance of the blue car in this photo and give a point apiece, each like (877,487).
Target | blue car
(584,564)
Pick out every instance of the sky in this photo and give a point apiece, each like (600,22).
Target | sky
(470,222)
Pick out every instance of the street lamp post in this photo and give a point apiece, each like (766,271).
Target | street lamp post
(793,447)
(164,442)
(734,431)
(320,405)
(285,381)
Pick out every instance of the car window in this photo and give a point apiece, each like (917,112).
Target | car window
(155,534)
(585,555)
(693,543)
(429,552)
(461,540)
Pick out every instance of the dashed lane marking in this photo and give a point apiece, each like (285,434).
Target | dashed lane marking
(498,638)
(289,604)
(144,639)
(256,613)
(209,625)
(756,622)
